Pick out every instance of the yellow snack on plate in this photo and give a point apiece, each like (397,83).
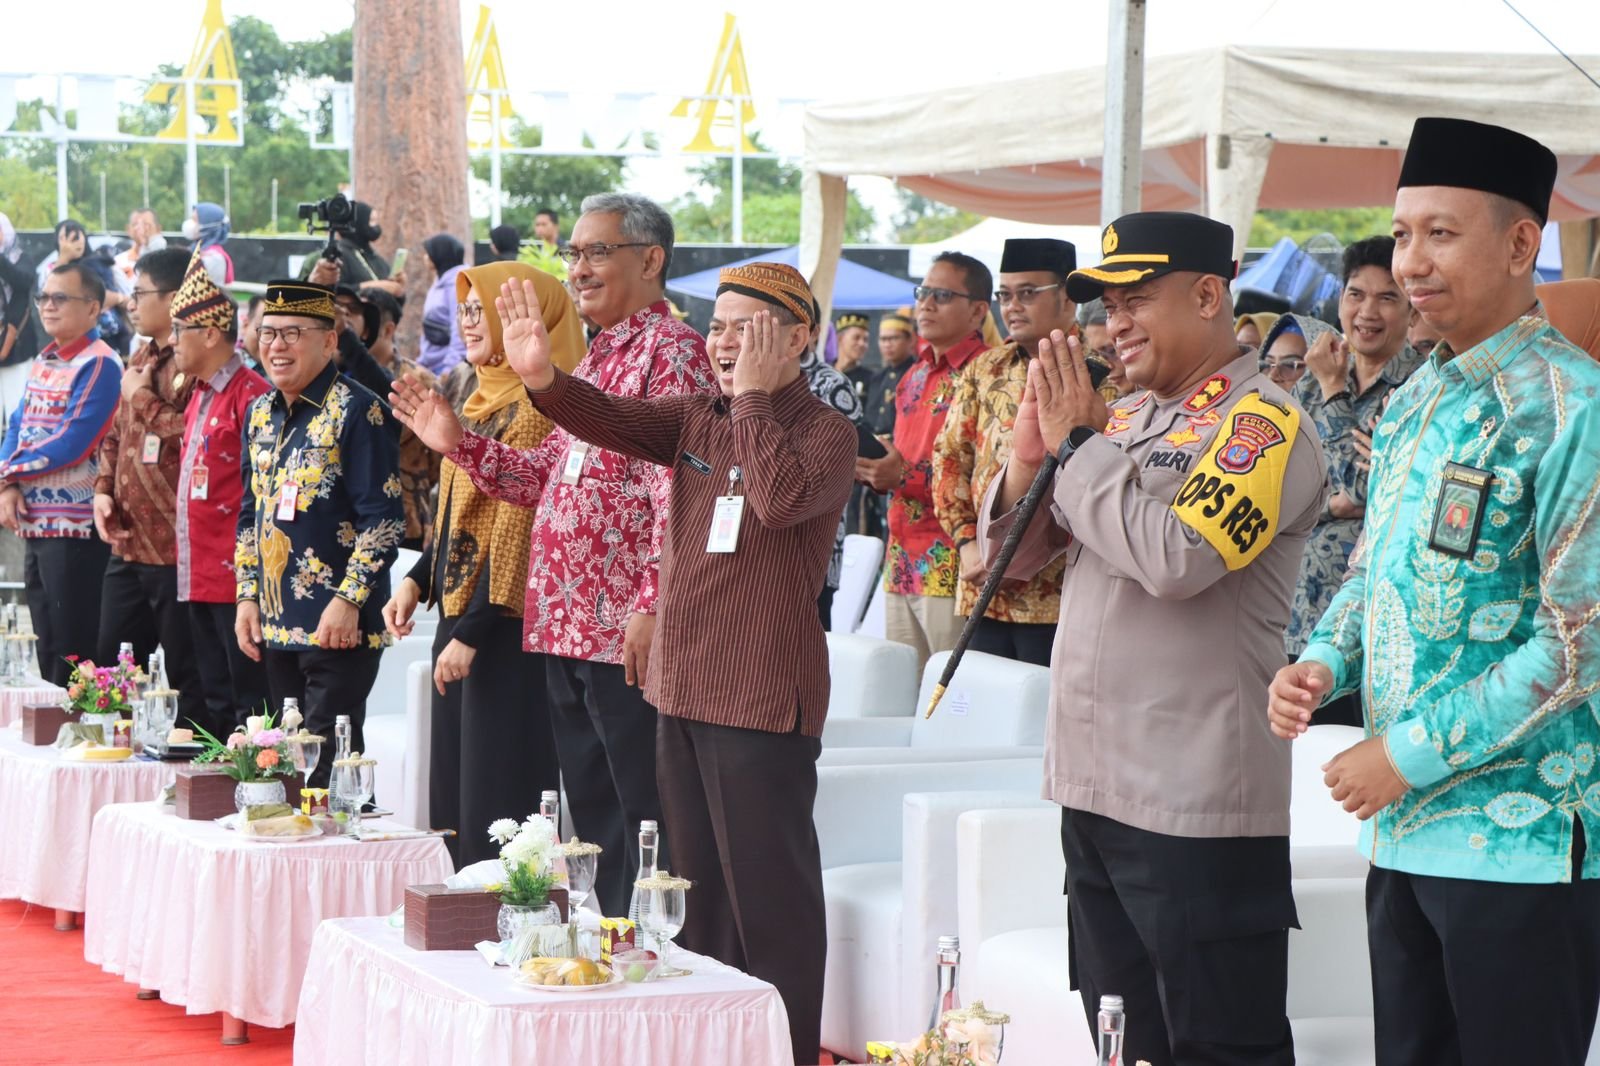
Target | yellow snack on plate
(288,825)
(98,753)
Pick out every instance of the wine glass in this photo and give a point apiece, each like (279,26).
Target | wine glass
(305,751)
(352,783)
(582,861)
(661,911)
(11,655)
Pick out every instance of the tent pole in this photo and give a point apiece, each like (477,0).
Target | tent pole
(1120,174)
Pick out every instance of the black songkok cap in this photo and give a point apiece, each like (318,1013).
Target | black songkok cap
(1148,244)
(293,297)
(1473,155)
(1023,254)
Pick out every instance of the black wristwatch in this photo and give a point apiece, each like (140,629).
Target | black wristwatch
(1076,439)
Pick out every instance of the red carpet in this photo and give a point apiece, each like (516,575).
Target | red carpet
(57,1008)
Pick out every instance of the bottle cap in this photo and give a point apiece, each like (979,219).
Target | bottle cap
(343,719)
(1111,1003)
(647,826)
(949,943)
(550,796)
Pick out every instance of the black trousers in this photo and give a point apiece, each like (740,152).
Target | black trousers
(1346,710)
(825,607)
(491,750)
(1482,973)
(606,740)
(235,685)
(139,605)
(738,808)
(1026,642)
(62,576)
(1193,933)
(327,684)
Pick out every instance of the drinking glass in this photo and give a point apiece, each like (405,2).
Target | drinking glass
(661,914)
(352,783)
(11,659)
(305,750)
(582,861)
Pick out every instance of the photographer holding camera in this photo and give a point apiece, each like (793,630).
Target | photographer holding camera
(351,226)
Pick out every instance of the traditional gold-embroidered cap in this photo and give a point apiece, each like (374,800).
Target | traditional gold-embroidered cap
(850,321)
(1148,244)
(199,302)
(302,298)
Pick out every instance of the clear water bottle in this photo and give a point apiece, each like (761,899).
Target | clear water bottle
(1110,1027)
(550,807)
(341,750)
(948,961)
(125,652)
(649,842)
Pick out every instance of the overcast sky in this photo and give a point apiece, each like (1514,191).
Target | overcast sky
(819,49)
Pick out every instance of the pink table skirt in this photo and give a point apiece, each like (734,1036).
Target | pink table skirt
(368,1000)
(47,806)
(36,690)
(219,922)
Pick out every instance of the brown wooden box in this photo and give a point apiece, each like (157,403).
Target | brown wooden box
(203,793)
(456,919)
(42,722)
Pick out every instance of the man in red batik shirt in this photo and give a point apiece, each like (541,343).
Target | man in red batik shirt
(205,326)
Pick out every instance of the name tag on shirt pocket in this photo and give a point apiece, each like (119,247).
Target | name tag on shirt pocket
(726,517)
(1458,513)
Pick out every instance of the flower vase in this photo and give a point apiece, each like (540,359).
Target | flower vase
(258,793)
(521,930)
(106,721)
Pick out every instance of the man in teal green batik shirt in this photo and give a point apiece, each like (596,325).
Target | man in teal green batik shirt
(1471,624)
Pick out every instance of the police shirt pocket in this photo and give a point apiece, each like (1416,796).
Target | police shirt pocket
(1236,966)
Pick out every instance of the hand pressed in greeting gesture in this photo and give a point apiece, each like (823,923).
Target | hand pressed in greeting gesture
(523,335)
(761,357)
(426,413)
(1067,397)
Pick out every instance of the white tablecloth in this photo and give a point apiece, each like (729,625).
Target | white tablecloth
(47,805)
(220,922)
(369,1000)
(37,690)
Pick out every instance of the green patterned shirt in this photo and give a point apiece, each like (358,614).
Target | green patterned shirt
(1479,670)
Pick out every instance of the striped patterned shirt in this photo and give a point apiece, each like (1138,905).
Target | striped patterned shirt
(50,442)
(738,641)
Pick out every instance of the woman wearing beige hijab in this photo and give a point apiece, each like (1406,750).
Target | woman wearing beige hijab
(492,750)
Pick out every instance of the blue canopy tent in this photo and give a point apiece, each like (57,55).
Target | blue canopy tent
(1288,271)
(855,287)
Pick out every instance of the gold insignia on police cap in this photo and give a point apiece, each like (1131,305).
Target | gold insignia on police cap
(1108,243)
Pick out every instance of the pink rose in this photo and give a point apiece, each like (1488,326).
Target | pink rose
(237,741)
(74,691)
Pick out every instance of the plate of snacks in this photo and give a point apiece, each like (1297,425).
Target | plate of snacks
(89,752)
(278,823)
(564,975)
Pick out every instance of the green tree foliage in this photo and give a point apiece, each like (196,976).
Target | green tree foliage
(771,204)
(276,147)
(529,183)
(924,221)
(1349,224)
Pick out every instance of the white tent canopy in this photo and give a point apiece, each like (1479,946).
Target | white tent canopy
(1226,131)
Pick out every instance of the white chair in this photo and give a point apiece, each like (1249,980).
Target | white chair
(871,678)
(887,835)
(1014,946)
(419,747)
(1323,835)
(872,624)
(858,573)
(994,709)
(387,727)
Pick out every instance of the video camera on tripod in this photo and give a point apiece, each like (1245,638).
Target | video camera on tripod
(333,216)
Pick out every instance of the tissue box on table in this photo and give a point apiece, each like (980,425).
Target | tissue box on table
(42,722)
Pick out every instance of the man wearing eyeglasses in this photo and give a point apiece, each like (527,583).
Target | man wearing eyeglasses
(48,466)
(922,569)
(594,564)
(320,519)
(136,492)
(1020,622)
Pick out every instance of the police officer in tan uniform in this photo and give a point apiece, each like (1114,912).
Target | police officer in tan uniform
(1182,512)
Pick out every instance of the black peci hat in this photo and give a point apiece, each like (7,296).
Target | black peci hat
(1473,155)
(1023,254)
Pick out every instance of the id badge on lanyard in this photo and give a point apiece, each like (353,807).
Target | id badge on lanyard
(577,456)
(726,517)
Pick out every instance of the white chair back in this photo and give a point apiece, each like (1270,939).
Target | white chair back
(858,572)
(1316,819)
(872,624)
(991,702)
(871,678)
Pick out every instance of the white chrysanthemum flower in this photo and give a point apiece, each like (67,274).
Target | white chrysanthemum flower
(501,830)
